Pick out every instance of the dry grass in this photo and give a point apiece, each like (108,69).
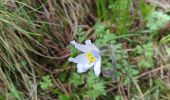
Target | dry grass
(32,31)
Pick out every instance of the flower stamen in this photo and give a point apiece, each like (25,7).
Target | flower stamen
(90,57)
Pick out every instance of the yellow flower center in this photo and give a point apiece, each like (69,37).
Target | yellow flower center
(90,57)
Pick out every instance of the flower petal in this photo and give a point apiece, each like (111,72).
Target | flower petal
(97,67)
(95,53)
(81,47)
(82,63)
(92,46)
(80,59)
(81,68)
(88,42)
(85,48)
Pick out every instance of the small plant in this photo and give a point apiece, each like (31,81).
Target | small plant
(104,35)
(96,86)
(165,40)
(157,20)
(46,82)
(77,79)
(146,59)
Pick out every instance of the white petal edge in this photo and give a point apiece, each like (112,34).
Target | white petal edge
(81,68)
(80,59)
(97,67)
(88,42)
(91,46)
(81,47)
(73,42)
(71,59)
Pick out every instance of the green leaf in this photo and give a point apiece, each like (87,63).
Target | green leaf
(96,86)
(168,51)
(157,20)
(64,97)
(77,79)
(46,82)
(139,49)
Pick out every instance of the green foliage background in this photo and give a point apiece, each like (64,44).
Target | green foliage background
(35,36)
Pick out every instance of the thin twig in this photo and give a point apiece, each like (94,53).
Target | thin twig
(164,6)
(59,85)
(123,91)
(154,70)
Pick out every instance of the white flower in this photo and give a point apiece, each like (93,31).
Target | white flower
(89,57)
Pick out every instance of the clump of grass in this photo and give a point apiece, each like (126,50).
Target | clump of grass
(31,33)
